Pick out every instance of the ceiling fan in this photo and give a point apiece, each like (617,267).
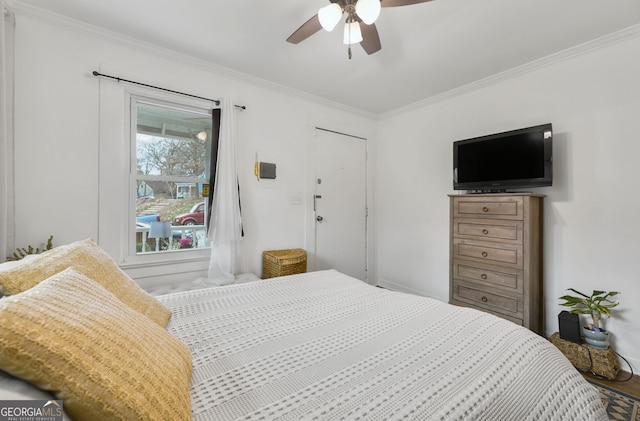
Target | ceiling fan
(359,26)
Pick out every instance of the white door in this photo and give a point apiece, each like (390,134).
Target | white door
(340,202)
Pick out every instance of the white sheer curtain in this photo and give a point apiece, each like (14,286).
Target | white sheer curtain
(6,132)
(225,230)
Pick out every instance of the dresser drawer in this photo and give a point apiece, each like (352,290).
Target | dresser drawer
(478,297)
(510,207)
(488,229)
(509,255)
(489,275)
(517,320)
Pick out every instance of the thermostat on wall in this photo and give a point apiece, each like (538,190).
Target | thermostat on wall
(267,170)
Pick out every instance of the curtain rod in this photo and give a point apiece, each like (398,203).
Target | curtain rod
(215,101)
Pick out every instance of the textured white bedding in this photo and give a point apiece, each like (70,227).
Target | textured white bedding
(322,345)
(198,283)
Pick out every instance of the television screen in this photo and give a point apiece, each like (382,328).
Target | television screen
(515,159)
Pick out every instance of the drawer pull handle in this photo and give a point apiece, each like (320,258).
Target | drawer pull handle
(485,231)
(484,299)
(484,276)
(485,209)
(485,254)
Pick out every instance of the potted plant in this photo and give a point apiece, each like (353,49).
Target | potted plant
(596,305)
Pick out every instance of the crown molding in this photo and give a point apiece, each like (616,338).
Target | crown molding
(598,43)
(20,8)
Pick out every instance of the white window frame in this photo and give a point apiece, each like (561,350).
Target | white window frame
(131,258)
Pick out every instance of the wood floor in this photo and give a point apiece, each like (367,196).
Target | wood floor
(631,387)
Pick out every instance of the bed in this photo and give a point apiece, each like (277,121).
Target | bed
(325,346)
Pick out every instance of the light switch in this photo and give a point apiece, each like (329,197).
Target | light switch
(295,199)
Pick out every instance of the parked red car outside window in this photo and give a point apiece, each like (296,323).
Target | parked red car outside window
(194,217)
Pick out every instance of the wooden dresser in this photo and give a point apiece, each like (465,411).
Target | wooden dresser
(496,255)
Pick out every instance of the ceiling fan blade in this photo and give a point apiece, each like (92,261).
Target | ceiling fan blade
(370,38)
(307,29)
(395,3)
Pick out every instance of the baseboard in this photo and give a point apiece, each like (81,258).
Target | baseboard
(393,286)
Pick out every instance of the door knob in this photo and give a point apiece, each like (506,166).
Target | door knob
(319,218)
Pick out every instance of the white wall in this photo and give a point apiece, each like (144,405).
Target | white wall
(593,101)
(59,109)
(591,230)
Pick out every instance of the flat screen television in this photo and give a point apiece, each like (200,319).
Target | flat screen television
(516,159)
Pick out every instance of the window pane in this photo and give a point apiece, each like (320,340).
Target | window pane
(172,154)
(172,142)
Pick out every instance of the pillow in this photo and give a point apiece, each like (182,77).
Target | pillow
(89,259)
(105,361)
(12,264)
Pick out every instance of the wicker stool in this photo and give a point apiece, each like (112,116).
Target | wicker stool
(602,362)
(283,262)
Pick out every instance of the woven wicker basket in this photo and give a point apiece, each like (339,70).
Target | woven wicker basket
(603,362)
(283,262)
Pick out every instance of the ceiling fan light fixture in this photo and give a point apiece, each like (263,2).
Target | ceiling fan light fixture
(329,16)
(360,26)
(368,10)
(352,33)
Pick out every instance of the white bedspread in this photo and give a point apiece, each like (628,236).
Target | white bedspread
(325,346)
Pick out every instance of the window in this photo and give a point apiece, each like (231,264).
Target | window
(169,176)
